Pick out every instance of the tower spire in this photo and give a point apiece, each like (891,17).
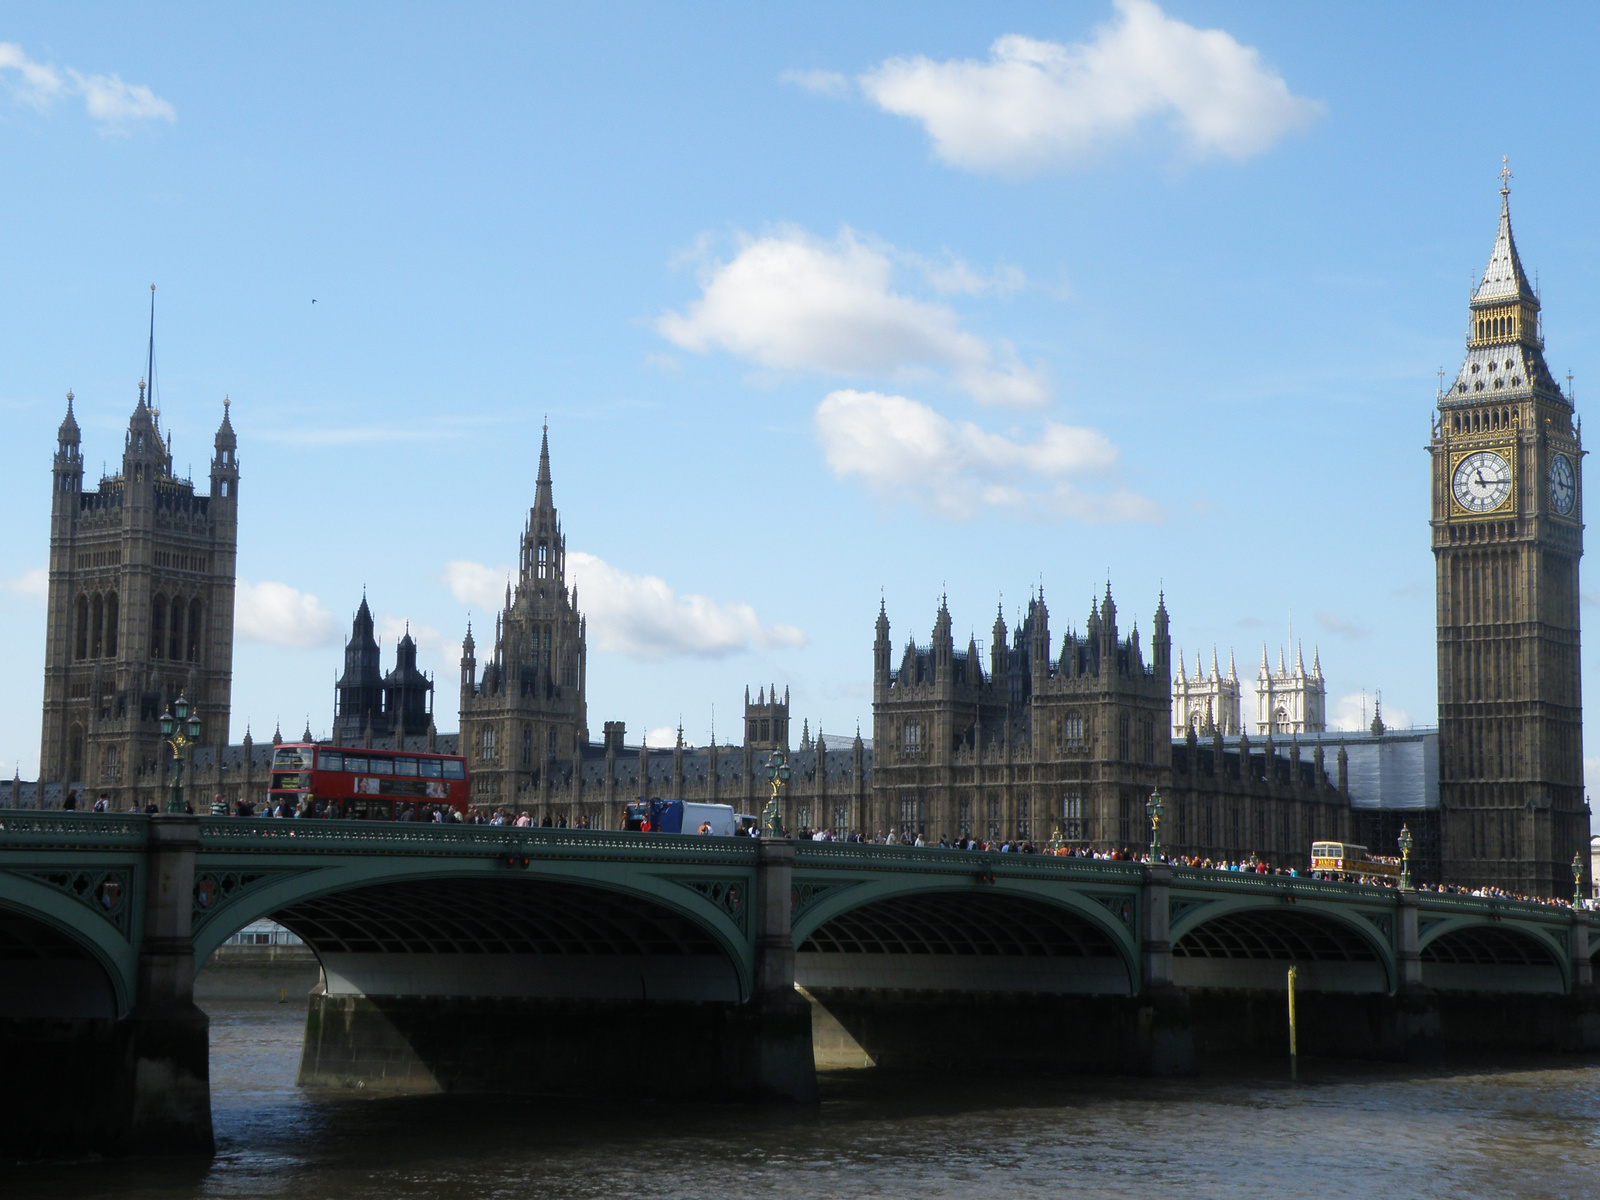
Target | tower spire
(542,496)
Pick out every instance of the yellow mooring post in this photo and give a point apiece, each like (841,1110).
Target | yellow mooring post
(1294,1049)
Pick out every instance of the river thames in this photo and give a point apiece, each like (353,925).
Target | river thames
(1522,1128)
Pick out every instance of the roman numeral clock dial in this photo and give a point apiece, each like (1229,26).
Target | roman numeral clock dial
(1563,484)
(1481,482)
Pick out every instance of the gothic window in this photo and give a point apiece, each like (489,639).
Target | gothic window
(527,745)
(1125,817)
(1072,816)
(81,650)
(964,816)
(994,819)
(97,620)
(544,559)
(110,762)
(112,615)
(913,737)
(1123,749)
(802,817)
(487,750)
(158,626)
(1024,825)
(754,730)
(1072,731)
(1147,737)
(550,739)
(766,730)
(175,630)
(196,620)
(74,755)
(841,818)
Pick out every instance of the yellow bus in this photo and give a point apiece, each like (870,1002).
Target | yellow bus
(1348,859)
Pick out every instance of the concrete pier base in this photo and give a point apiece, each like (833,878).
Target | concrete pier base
(88,1085)
(581,1048)
(927,1030)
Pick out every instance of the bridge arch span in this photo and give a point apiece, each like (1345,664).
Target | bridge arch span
(1472,954)
(1250,943)
(59,957)
(1012,936)
(486,930)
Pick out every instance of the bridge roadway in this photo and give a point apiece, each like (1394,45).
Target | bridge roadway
(479,958)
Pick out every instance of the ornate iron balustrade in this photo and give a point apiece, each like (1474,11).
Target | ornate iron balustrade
(23,827)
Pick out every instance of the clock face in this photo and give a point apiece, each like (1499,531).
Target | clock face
(1482,481)
(1563,484)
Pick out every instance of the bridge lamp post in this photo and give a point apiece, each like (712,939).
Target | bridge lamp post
(777,776)
(180,730)
(1406,843)
(1155,808)
(1577,881)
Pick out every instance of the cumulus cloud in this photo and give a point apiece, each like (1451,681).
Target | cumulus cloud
(796,302)
(279,615)
(32,584)
(903,449)
(106,98)
(640,616)
(1035,104)
(1353,714)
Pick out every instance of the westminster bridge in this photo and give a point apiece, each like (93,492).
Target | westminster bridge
(499,959)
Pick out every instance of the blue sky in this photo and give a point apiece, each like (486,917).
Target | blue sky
(822,302)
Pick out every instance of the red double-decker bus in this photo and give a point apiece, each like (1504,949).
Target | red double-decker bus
(367,785)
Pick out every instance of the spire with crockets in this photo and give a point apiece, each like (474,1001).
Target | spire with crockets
(1505,344)
(544,550)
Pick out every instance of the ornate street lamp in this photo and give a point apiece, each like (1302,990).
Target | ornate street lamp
(1406,842)
(1154,808)
(180,731)
(777,776)
(1577,881)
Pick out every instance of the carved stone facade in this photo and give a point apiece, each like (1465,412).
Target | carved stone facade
(1075,742)
(1291,700)
(140,610)
(1507,522)
(1206,704)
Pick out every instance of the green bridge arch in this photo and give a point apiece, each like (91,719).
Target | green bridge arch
(115,952)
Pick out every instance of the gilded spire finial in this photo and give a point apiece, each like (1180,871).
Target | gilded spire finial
(1505,175)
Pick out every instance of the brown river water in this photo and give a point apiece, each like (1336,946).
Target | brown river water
(1522,1128)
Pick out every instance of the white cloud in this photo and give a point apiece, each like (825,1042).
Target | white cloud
(474,583)
(826,83)
(279,615)
(793,301)
(904,449)
(1037,104)
(1353,714)
(640,616)
(106,98)
(661,737)
(32,584)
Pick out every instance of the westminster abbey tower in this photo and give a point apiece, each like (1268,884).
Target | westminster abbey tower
(1507,535)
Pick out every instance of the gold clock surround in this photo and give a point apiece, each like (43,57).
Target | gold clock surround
(1458,511)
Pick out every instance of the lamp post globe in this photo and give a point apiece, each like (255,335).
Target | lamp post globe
(1406,843)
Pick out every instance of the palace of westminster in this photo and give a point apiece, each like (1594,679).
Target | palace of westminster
(1043,733)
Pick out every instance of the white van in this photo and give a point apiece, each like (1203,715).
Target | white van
(719,816)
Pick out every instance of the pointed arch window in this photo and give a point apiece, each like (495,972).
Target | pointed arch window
(158,626)
(80,649)
(97,624)
(112,615)
(197,614)
(175,630)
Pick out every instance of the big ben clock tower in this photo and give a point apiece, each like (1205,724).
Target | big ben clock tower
(1507,536)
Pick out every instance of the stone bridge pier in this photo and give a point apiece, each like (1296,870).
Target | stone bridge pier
(77,1076)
